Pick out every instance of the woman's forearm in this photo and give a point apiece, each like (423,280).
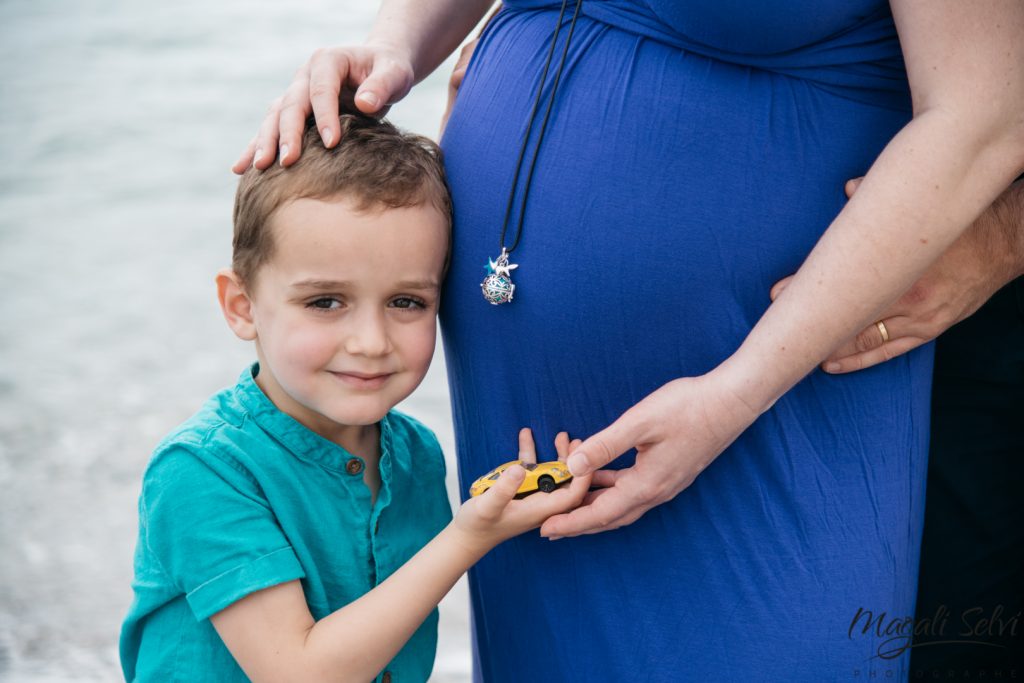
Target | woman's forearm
(1008,213)
(427,30)
(932,180)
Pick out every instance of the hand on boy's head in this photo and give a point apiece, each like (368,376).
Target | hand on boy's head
(365,78)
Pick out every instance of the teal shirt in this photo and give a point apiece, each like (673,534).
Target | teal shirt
(242,497)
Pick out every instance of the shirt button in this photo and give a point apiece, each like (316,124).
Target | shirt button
(386,678)
(354,466)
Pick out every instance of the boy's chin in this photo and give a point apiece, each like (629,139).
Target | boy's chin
(365,417)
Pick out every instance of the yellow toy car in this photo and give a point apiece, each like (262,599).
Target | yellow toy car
(540,476)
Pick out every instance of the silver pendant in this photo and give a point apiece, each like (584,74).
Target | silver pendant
(497,286)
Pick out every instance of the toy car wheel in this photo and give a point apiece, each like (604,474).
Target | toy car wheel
(546,484)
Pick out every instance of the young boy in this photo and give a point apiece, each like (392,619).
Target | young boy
(285,529)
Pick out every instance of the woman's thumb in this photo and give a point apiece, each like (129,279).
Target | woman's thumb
(601,448)
(386,84)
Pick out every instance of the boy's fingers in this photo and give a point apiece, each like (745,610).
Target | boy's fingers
(503,491)
(527,448)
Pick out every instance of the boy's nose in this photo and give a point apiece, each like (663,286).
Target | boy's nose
(368,336)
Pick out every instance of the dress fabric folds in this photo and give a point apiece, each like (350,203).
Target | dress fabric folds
(696,152)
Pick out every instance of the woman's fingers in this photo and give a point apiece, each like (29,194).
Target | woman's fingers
(603,509)
(778,287)
(527,447)
(266,139)
(329,70)
(245,160)
(605,446)
(876,344)
(867,358)
(389,80)
(605,478)
(326,82)
(295,109)
(852,185)
(562,446)
(873,336)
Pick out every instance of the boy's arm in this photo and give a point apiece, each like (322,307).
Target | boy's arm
(273,636)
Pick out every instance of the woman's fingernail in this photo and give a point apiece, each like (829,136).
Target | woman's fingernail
(554,538)
(256,157)
(328,136)
(832,367)
(370,98)
(283,153)
(578,464)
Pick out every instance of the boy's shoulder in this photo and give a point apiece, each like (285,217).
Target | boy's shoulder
(219,435)
(413,439)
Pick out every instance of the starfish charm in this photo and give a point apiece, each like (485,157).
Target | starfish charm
(501,267)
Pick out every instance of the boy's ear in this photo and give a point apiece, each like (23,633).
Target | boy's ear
(235,304)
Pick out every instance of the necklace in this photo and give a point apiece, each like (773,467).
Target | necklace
(497,286)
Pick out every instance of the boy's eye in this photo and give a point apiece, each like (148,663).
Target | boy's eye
(324,303)
(407,302)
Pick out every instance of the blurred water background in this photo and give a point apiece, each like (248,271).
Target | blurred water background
(119,121)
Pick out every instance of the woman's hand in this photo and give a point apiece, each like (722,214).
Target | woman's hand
(365,78)
(497,515)
(988,255)
(455,80)
(677,431)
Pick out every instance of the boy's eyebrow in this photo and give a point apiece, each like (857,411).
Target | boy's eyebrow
(343,284)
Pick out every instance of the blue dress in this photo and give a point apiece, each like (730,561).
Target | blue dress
(696,153)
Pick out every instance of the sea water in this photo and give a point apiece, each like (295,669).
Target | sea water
(119,121)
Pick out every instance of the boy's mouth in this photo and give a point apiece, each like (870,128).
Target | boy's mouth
(363,380)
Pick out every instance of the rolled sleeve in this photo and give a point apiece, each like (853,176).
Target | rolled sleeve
(209,527)
(211,597)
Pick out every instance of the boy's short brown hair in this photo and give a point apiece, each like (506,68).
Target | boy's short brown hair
(375,164)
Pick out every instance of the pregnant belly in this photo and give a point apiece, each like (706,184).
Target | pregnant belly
(669,186)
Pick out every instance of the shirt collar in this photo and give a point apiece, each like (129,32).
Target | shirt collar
(296,437)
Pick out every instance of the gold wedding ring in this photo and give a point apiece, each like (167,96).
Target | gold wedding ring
(882,331)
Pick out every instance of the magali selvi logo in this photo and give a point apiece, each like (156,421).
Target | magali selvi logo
(972,626)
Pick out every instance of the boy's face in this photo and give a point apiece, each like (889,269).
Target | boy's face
(344,312)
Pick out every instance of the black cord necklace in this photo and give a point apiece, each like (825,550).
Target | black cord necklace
(497,286)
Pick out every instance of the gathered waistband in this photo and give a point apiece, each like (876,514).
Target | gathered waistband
(862,61)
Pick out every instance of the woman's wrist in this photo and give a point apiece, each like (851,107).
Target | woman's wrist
(424,34)
(747,383)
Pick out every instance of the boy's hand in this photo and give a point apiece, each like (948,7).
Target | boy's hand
(489,519)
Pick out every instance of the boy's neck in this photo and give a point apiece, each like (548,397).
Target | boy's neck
(361,440)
